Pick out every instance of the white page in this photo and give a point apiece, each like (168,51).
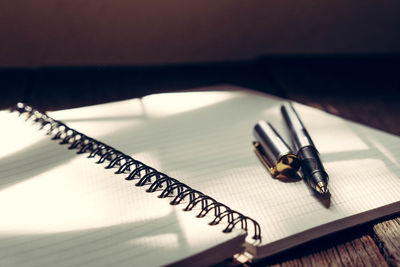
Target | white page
(204,139)
(60,208)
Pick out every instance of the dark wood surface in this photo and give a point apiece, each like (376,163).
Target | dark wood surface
(366,90)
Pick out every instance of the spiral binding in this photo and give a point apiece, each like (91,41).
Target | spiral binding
(137,170)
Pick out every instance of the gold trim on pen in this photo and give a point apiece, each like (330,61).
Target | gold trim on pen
(285,166)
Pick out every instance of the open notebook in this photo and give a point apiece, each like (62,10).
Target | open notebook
(59,207)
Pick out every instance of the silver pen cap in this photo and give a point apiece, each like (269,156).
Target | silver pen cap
(273,151)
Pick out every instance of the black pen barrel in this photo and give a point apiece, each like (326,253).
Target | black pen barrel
(311,166)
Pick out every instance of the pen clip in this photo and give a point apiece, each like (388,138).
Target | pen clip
(261,155)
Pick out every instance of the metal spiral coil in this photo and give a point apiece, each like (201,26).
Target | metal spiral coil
(137,170)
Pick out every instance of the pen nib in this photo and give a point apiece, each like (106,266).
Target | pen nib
(322,188)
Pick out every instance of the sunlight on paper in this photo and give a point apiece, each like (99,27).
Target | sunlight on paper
(330,134)
(13,129)
(163,240)
(161,105)
(340,140)
(59,200)
(120,109)
(99,129)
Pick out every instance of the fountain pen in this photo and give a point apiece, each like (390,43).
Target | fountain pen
(311,165)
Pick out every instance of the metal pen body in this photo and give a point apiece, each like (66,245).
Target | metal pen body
(270,139)
(311,165)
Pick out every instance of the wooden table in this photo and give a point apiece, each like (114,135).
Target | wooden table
(366,90)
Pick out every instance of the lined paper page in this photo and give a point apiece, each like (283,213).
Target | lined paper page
(60,208)
(204,139)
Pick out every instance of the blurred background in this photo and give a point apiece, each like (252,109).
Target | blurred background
(340,56)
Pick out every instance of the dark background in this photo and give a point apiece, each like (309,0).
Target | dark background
(363,88)
(151,32)
(338,55)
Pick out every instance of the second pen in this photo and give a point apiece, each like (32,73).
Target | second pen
(311,165)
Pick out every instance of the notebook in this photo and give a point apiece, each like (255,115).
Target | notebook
(188,188)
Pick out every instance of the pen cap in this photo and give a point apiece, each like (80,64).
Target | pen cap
(273,151)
